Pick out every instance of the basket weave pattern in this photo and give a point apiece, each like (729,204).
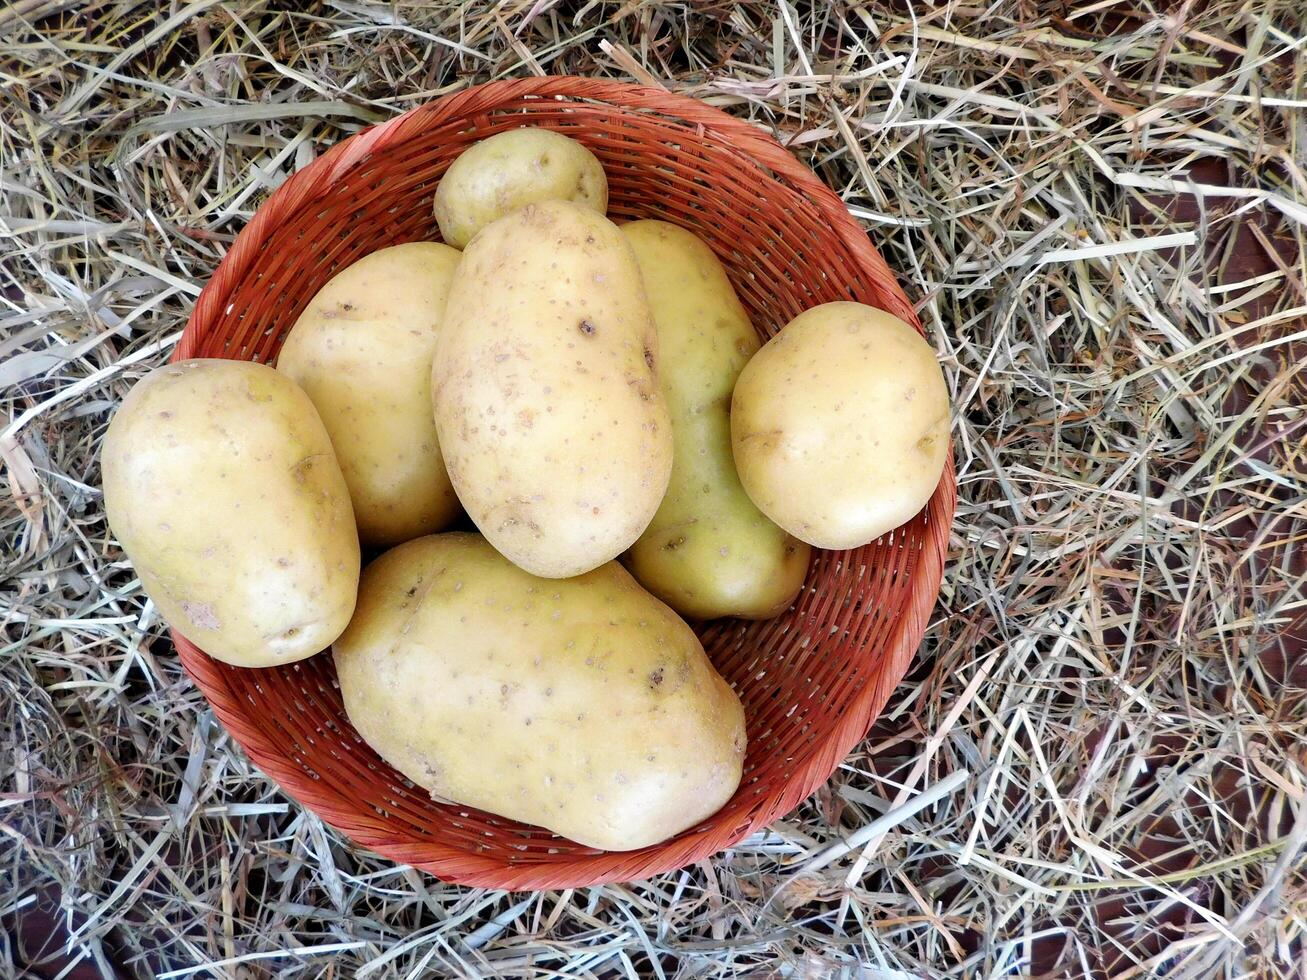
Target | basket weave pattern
(812,680)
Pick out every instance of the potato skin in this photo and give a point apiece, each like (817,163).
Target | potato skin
(709,551)
(510,170)
(584,706)
(840,425)
(554,430)
(221,485)
(362,352)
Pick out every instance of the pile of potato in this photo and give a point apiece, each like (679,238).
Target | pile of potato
(584,392)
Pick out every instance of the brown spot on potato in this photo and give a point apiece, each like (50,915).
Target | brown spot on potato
(202,614)
(300,471)
(656,677)
(586,327)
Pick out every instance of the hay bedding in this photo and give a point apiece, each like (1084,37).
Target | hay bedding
(1096,767)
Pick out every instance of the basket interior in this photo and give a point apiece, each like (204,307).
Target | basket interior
(829,661)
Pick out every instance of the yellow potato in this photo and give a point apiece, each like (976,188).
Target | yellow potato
(555,433)
(584,706)
(840,425)
(511,170)
(362,351)
(221,486)
(709,551)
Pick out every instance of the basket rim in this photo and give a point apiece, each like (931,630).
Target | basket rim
(452,863)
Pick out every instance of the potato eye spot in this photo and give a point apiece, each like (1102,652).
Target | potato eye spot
(586,327)
(656,677)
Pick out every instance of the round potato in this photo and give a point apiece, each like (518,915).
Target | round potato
(511,170)
(584,706)
(221,485)
(709,551)
(840,425)
(554,430)
(362,352)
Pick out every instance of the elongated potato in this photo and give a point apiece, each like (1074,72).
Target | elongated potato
(510,170)
(839,425)
(553,427)
(584,706)
(362,351)
(221,485)
(708,551)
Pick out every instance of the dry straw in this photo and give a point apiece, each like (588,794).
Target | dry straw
(1100,208)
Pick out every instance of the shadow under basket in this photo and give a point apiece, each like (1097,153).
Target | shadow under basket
(812,680)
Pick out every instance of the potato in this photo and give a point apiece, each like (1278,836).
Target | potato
(584,706)
(840,425)
(362,351)
(709,551)
(555,433)
(221,485)
(511,170)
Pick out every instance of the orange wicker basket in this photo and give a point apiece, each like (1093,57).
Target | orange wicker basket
(812,680)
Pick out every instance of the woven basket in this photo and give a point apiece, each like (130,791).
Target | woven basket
(812,680)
